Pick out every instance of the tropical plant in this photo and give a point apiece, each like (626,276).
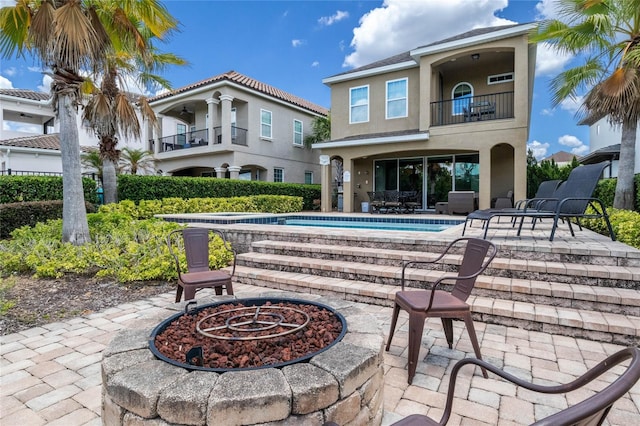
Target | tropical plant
(111,108)
(608,33)
(92,161)
(321,131)
(71,38)
(134,160)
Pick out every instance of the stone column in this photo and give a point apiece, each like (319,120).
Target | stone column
(220,171)
(325,183)
(212,110)
(225,121)
(234,172)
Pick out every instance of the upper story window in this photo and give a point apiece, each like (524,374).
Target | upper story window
(397,98)
(181,132)
(461,94)
(297,133)
(265,124)
(278,174)
(308,178)
(359,104)
(500,78)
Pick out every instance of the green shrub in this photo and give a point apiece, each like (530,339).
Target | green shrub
(625,224)
(15,189)
(138,188)
(15,215)
(255,204)
(606,191)
(122,248)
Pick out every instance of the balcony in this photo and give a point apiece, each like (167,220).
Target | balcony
(198,138)
(472,109)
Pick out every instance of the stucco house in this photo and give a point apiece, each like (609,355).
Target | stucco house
(231,125)
(451,115)
(604,144)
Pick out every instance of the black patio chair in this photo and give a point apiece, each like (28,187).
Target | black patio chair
(571,200)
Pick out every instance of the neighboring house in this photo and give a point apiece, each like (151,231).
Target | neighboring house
(451,115)
(604,144)
(231,125)
(561,158)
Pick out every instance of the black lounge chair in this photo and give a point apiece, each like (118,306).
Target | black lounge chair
(570,201)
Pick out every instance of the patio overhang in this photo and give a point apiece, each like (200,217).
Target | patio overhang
(373,140)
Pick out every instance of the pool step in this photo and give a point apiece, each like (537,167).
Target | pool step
(343,257)
(575,322)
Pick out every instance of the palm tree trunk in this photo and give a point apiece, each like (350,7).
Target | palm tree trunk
(109,181)
(75,228)
(624,198)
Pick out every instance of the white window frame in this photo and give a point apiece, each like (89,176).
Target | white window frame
(281,174)
(351,106)
(298,135)
(405,98)
(269,124)
(308,173)
(500,78)
(453,100)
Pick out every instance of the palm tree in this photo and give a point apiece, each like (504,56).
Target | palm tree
(70,37)
(133,160)
(609,32)
(111,111)
(321,131)
(91,160)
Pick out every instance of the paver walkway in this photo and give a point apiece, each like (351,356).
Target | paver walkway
(51,374)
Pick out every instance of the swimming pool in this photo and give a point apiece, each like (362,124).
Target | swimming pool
(373,222)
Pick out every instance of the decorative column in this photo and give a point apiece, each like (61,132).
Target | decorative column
(484,202)
(347,185)
(225,120)
(212,111)
(234,172)
(220,171)
(325,183)
(157,134)
(146,143)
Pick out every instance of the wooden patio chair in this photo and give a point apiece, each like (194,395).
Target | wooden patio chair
(199,275)
(423,304)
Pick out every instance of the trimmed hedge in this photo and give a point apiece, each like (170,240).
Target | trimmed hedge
(16,215)
(14,189)
(137,188)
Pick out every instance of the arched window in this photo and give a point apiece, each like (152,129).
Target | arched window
(461,94)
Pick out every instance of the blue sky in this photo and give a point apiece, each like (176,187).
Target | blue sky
(294,44)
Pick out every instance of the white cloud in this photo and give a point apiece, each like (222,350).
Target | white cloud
(46,84)
(547,9)
(5,83)
(400,25)
(336,17)
(549,61)
(548,112)
(577,146)
(315,64)
(572,104)
(35,69)
(11,71)
(297,42)
(539,149)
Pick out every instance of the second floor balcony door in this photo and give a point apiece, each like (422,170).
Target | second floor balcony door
(462,95)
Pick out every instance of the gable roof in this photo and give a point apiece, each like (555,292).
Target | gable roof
(408,58)
(250,83)
(561,157)
(26,94)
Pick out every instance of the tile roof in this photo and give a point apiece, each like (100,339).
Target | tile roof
(406,56)
(51,141)
(248,82)
(561,157)
(26,94)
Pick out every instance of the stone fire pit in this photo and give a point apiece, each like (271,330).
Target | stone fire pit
(342,384)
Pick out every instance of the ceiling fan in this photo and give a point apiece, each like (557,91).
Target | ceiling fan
(185,111)
(22,114)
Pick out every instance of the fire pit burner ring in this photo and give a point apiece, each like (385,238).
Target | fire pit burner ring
(259,320)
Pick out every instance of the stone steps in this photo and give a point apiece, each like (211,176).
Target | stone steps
(595,301)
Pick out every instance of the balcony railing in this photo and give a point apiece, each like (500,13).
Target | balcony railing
(238,135)
(471,109)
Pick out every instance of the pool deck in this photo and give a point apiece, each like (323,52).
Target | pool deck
(51,374)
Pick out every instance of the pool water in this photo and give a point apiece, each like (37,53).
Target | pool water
(391,226)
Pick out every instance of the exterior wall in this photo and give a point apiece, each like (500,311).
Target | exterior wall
(30,159)
(602,134)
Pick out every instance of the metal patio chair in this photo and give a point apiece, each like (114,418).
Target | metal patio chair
(590,411)
(199,275)
(423,304)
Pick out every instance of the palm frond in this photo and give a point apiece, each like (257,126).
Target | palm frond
(75,43)
(14,29)
(128,123)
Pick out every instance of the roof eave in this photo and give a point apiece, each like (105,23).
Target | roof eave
(367,73)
